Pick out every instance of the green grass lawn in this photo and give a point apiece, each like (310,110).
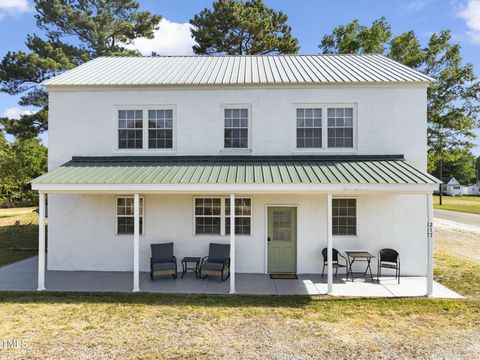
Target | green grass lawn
(468,204)
(59,325)
(18,242)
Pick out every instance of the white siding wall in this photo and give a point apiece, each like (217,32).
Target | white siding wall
(82,231)
(391,120)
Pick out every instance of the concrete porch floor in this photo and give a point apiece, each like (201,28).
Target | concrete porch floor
(22,276)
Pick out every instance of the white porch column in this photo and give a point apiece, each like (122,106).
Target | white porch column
(136,241)
(429,244)
(41,242)
(232,243)
(329,245)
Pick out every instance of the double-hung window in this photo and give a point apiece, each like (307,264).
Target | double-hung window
(344,217)
(146,128)
(160,129)
(309,128)
(208,216)
(324,127)
(236,128)
(212,216)
(340,127)
(243,216)
(130,129)
(125,216)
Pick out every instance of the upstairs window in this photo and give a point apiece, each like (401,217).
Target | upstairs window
(236,128)
(340,127)
(160,129)
(130,129)
(309,128)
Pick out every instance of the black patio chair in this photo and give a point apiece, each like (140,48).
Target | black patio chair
(335,264)
(217,263)
(388,259)
(163,262)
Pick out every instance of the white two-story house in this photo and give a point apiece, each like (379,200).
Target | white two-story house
(314,151)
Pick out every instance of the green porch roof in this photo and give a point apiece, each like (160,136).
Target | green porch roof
(237,170)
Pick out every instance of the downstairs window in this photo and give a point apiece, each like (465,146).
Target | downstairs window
(125,217)
(344,217)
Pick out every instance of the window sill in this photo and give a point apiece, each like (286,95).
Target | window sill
(122,235)
(221,236)
(144,151)
(314,151)
(234,151)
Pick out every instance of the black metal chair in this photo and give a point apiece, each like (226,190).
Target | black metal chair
(217,263)
(335,264)
(388,259)
(163,262)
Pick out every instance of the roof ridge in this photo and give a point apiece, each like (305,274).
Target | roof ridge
(245,55)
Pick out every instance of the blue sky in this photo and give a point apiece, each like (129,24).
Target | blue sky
(310,20)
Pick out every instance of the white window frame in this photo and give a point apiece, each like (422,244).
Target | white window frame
(145,149)
(334,108)
(305,127)
(222,215)
(237,216)
(223,149)
(324,149)
(223,199)
(356,217)
(142,233)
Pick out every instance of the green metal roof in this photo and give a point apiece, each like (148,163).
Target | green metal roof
(237,170)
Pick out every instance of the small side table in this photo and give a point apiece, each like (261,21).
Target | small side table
(193,260)
(359,256)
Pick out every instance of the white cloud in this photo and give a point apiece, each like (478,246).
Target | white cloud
(13,7)
(415,5)
(15,112)
(470,12)
(170,39)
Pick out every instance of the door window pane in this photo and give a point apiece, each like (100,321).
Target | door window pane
(282,225)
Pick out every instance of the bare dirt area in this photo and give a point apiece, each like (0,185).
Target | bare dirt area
(459,239)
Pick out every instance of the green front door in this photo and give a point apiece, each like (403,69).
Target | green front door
(282,239)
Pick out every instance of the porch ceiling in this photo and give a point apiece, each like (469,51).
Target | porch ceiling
(240,171)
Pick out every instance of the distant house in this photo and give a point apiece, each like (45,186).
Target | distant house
(451,187)
(473,189)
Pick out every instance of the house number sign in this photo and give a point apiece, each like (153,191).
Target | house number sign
(430,229)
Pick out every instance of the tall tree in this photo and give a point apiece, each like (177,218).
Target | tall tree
(235,27)
(453,99)
(73,31)
(461,166)
(477,169)
(355,38)
(20,162)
